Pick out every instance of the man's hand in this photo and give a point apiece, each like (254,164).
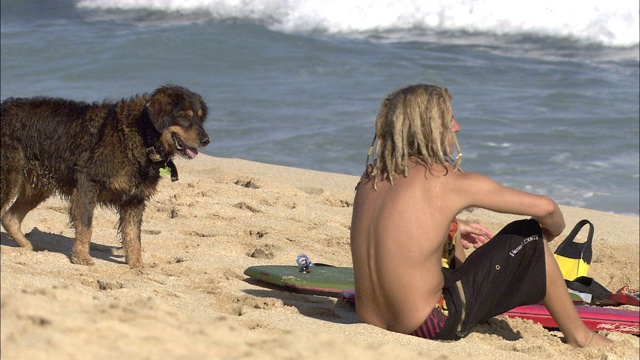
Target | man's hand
(473,234)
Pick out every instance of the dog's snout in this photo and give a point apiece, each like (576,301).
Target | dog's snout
(203,137)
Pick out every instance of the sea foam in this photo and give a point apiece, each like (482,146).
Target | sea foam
(611,23)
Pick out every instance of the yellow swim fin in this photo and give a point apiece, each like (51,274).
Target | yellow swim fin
(575,258)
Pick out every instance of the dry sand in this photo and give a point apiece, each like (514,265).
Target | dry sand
(192,301)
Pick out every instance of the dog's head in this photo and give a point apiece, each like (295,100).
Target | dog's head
(178,114)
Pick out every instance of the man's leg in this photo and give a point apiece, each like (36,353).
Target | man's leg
(561,307)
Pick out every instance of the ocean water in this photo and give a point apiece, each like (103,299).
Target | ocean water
(546,92)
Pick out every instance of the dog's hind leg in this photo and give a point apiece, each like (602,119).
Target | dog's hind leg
(11,183)
(12,218)
(130,224)
(83,203)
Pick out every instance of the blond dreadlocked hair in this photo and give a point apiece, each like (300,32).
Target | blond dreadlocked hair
(413,124)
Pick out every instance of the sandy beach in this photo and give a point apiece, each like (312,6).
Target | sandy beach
(192,300)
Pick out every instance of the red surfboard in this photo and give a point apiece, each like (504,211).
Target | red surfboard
(595,318)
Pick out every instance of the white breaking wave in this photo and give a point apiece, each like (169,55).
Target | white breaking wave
(611,22)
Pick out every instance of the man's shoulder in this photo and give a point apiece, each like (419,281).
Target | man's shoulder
(469,182)
(469,176)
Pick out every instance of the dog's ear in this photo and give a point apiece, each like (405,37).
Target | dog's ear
(160,108)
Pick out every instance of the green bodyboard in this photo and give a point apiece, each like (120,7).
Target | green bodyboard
(327,280)
(319,280)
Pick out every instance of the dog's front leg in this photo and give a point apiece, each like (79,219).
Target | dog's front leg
(83,202)
(130,224)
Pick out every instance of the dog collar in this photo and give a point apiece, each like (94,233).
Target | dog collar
(174,170)
(155,157)
(153,154)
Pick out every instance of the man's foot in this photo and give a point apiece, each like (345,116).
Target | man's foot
(599,340)
(594,339)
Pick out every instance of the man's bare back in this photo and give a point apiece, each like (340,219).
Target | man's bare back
(411,217)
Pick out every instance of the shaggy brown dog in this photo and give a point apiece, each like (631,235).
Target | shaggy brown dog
(102,153)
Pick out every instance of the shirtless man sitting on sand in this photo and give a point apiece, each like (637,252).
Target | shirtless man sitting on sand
(405,206)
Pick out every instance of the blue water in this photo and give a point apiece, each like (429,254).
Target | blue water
(547,92)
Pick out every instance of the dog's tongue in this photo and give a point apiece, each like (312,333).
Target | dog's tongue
(192,152)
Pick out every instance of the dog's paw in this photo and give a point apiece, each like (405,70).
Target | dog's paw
(28,247)
(134,262)
(82,260)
